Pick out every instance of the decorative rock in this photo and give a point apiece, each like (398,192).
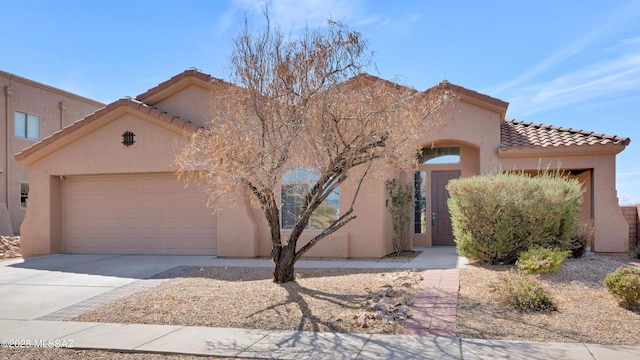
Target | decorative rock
(389,305)
(9,246)
(404,309)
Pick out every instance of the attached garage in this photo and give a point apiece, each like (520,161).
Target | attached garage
(135,214)
(106,185)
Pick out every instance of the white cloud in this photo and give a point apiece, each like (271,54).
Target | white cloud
(609,77)
(225,22)
(620,18)
(547,63)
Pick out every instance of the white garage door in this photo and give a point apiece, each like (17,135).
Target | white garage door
(136,214)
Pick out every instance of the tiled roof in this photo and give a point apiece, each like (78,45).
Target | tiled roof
(520,134)
(128,102)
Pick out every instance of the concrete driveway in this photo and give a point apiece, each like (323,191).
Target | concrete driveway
(39,286)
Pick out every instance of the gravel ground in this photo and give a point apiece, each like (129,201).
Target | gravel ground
(338,300)
(586,311)
(65,354)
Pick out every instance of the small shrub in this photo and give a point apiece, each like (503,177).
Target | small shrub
(542,260)
(399,200)
(635,251)
(582,239)
(497,216)
(523,293)
(624,284)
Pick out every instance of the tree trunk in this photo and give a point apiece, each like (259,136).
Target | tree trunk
(284,271)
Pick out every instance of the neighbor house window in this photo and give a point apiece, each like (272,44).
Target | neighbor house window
(27,126)
(24,194)
(295,186)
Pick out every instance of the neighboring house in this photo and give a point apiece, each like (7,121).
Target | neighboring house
(29,111)
(106,183)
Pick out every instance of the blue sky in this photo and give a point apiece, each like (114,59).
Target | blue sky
(568,63)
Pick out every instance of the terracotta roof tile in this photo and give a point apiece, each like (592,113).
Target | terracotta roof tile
(143,108)
(519,134)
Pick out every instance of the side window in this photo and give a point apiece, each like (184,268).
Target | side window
(420,202)
(24,194)
(295,186)
(27,126)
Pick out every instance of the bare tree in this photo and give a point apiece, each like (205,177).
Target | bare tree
(305,104)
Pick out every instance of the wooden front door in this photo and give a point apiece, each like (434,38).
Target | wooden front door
(441,231)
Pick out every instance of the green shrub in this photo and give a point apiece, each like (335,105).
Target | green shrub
(624,284)
(582,238)
(497,216)
(541,260)
(399,200)
(635,251)
(523,293)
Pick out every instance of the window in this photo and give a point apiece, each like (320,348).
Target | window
(27,126)
(440,155)
(24,194)
(295,186)
(420,202)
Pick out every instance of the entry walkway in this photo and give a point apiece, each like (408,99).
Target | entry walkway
(434,311)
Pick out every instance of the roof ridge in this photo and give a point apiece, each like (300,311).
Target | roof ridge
(191,72)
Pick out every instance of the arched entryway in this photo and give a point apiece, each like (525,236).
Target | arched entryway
(438,164)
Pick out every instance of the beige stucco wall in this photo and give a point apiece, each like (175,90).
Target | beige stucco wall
(471,125)
(243,231)
(56,109)
(475,129)
(193,103)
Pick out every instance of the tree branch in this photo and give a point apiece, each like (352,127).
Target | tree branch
(339,223)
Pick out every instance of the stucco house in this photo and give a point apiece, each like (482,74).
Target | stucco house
(29,112)
(106,183)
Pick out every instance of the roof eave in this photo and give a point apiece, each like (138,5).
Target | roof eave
(97,119)
(572,150)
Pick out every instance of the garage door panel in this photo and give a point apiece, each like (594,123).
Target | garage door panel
(136,214)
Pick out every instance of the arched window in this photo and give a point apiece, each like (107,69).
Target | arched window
(296,184)
(440,155)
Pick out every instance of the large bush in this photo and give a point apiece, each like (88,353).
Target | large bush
(497,216)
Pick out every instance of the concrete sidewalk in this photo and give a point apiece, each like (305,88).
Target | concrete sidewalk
(245,343)
(52,287)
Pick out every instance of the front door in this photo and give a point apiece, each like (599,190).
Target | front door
(441,231)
